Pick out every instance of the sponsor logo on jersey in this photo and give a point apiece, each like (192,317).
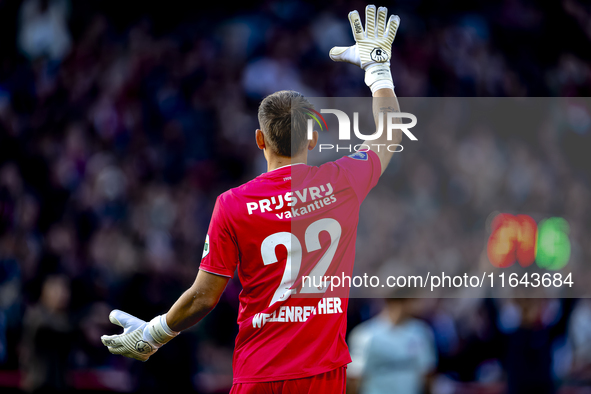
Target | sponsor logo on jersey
(314,205)
(311,198)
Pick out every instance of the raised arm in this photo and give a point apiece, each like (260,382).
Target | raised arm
(372,52)
(384,101)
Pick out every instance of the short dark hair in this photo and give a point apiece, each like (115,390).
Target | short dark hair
(283,120)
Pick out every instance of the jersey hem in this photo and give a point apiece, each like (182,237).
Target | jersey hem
(275,378)
(216,273)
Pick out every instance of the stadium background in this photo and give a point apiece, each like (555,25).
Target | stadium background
(120,122)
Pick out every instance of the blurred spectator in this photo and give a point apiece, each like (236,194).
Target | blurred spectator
(530,326)
(47,338)
(43,29)
(392,352)
(10,294)
(579,334)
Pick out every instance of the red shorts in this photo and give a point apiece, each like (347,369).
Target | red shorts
(332,382)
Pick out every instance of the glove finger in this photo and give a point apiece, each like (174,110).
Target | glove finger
(122,351)
(370,21)
(111,341)
(393,24)
(119,351)
(125,320)
(356,25)
(382,15)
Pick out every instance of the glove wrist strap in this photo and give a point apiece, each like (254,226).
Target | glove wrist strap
(378,76)
(159,330)
(381,84)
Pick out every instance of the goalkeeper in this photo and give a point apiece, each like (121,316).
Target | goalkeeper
(310,354)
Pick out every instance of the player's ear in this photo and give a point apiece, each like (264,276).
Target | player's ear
(260,139)
(312,143)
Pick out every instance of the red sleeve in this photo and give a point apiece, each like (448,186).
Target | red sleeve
(363,170)
(220,253)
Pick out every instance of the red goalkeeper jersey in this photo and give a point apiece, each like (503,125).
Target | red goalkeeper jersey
(291,222)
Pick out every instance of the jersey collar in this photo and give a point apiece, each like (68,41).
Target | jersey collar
(287,165)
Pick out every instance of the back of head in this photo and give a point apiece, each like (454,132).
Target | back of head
(283,120)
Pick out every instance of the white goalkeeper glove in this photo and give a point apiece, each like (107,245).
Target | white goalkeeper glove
(373,46)
(140,339)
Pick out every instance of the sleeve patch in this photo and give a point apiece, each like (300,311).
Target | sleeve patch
(206,247)
(360,155)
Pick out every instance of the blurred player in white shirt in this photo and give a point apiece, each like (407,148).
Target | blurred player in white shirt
(391,352)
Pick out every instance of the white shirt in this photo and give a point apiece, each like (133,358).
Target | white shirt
(391,358)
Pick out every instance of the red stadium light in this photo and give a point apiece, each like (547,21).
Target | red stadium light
(526,240)
(513,238)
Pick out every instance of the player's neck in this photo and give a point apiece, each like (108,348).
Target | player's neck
(276,162)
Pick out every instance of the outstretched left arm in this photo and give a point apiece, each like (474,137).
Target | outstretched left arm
(141,339)
(197,301)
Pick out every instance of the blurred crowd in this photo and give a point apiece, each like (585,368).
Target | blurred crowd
(119,126)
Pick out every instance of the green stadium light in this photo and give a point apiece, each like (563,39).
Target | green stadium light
(552,244)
